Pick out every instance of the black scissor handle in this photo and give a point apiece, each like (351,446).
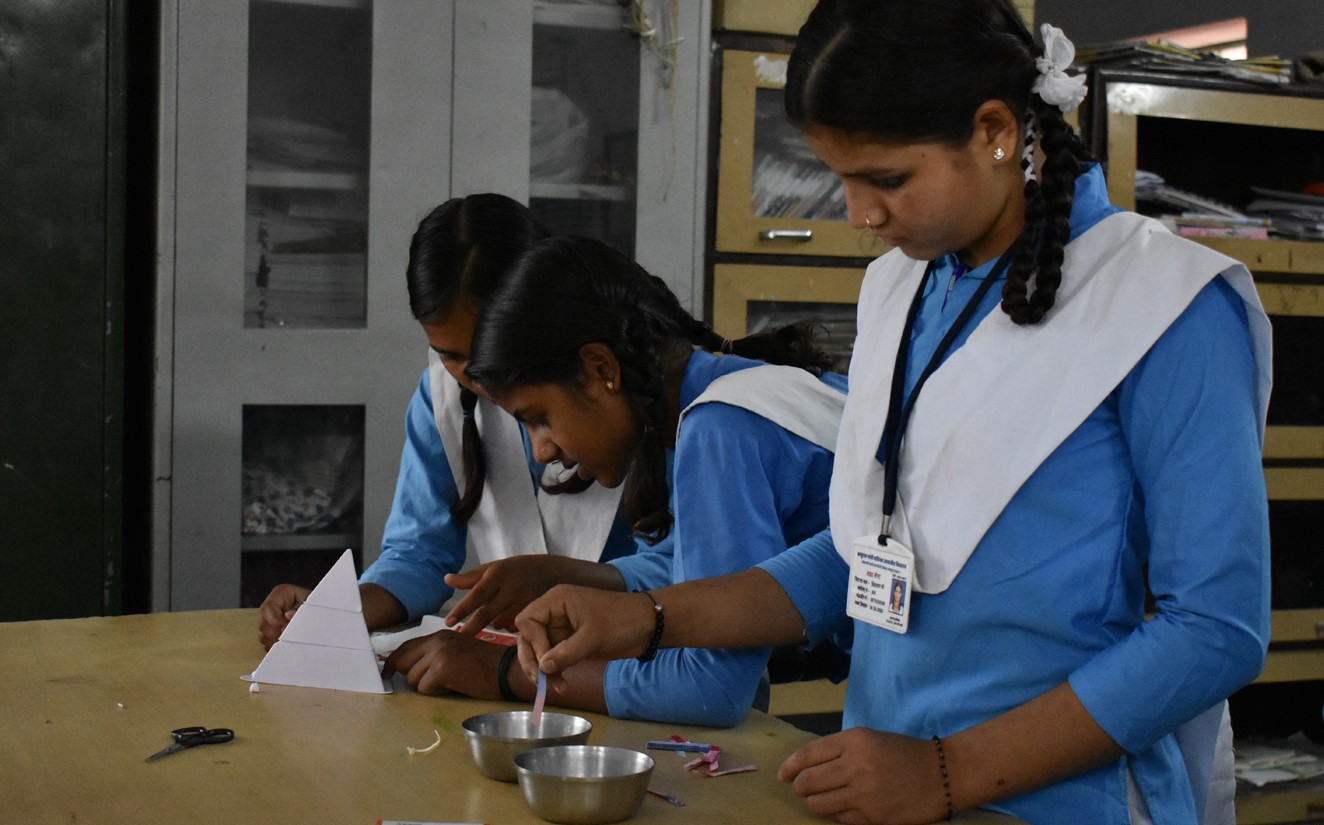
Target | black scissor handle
(198,735)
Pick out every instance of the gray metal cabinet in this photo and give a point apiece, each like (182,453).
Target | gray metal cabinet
(302,141)
(595,115)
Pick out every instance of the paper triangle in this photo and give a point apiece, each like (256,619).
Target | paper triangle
(339,588)
(317,625)
(318,666)
(326,644)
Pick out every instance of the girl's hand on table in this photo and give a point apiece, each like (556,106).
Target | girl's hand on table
(498,590)
(276,611)
(447,662)
(867,777)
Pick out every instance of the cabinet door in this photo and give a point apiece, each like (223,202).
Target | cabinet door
(773,194)
(750,298)
(599,125)
(309,139)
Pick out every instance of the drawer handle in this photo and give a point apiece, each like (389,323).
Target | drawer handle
(801,235)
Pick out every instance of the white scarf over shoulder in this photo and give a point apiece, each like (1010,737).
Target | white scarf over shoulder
(514,517)
(968,448)
(790,397)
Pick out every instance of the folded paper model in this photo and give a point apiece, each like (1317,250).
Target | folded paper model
(326,644)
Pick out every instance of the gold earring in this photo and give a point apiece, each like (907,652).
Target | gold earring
(866,222)
(998,154)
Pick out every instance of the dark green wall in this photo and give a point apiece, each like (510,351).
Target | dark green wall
(62,173)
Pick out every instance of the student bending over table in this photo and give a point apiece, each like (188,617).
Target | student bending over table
(607,372)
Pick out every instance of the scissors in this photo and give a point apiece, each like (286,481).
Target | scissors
(188,737)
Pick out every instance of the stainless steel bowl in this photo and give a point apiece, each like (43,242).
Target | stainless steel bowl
(495,739)
(584,784)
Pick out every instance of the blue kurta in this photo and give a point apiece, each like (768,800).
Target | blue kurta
(745,490)
(1164,475)
(422,542)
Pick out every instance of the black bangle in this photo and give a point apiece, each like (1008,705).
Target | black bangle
(659,622)
(946,780)
(503,680)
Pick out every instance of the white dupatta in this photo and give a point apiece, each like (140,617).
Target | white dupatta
(514,517)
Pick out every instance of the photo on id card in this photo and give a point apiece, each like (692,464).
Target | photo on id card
(880,584)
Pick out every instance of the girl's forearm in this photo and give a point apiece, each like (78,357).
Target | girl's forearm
(1045,740)
(745,609)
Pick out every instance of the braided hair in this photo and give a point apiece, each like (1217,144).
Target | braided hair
(912,71)
(567,292)
(462,250)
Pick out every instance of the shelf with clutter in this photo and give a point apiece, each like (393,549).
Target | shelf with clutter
(1238,169)
(1239,166)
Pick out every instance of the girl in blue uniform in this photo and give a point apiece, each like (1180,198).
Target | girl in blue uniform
(1054,406)
(459,253)
(609,374)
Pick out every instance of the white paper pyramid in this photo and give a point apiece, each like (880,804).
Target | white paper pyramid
(326,644)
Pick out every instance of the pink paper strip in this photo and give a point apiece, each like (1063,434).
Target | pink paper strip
(540,699)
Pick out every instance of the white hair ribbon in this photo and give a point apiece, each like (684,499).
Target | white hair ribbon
(1027,153)
(1054,85)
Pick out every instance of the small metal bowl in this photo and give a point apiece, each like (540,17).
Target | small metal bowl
(584,784)
(495,739)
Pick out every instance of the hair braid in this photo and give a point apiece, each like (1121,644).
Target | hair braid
(640,352)
(473,458)
(1059,186)
(1038,252)
(1016,290)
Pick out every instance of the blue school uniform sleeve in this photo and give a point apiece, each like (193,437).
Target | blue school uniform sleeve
(421,542)
(649,567)
(1189,413)
(738,478)
(815,579)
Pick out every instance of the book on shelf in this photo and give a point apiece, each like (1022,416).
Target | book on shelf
(1295,215)
(1254,233)
(1196,225)
(1164,56)
(1152,188)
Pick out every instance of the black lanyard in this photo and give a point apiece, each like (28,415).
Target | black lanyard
(898,413)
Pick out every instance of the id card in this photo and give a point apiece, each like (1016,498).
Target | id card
(880,579)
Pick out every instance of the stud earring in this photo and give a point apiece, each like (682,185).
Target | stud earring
(866,222)
(611,386)
(998,154)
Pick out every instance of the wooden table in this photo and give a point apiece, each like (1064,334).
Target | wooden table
(84,701)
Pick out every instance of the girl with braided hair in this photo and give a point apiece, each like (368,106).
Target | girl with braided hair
(446,502)
(613,378)
(1055,407)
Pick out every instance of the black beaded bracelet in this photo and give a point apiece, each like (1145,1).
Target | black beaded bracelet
(503,670)
(946,780)
(659,622)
